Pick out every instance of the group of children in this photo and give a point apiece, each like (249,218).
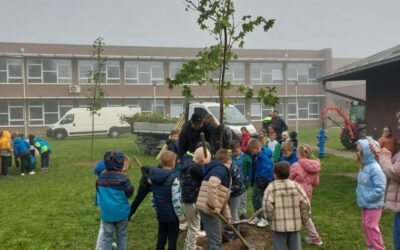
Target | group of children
(199,188)
(24,151)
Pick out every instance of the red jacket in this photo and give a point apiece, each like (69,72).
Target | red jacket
(244,139)
(306,173)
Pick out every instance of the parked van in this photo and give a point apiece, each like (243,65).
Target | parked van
(78,122)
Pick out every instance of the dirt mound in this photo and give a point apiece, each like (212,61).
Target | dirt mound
(258,237)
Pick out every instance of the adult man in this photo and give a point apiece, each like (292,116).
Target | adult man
(266,122)
(190,135)
(278,124)
(391,168)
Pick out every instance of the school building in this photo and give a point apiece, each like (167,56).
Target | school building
(43,81)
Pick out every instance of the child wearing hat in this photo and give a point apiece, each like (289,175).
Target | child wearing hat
(113,188)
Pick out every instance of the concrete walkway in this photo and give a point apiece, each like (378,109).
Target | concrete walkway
(345,154)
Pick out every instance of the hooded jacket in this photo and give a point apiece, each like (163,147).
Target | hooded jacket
(371,180)
(192,178)
(292,159)
(41,145)
(263,166)
(166,195)
(237,187)
(306,173)
(244,140)
(5,144)
(391,168)
(21,146)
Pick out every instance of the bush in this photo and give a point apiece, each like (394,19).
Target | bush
(149,117)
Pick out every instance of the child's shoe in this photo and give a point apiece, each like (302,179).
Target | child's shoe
(22,174)
(32,172)
(262,223)
(201,233)
(255,221)
(314,241)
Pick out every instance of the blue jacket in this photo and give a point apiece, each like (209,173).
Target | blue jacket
(292,158)
(162,181)
(217,169)
(113,190)
(371,180)
(100,167)
(263,166)
(20,146)
(41,145)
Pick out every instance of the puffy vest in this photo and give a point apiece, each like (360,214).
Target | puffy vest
(41,145)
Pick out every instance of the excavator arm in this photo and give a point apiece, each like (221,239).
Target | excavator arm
(348,125)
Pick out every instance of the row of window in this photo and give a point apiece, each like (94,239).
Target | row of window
(45,112)
(59,71)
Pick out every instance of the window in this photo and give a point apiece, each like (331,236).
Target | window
(240,107)
(114,103)
(258,111)
(174,67)
(233,74)
(68,119)
(49,71)
(266,73)
(48,111)
(10,70)
(144,72)
(308,108)
(176,108)
(303,73)
(11,113)
(110,73)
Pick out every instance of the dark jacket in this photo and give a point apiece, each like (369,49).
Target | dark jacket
(172,146)
(217,169)
(161,181)
(192,178)
(189,138)
(279,125)
(237,187)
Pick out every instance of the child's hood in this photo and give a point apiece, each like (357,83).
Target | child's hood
(6,134)
(368,156)
(266,151)
(310,166)
(159,175)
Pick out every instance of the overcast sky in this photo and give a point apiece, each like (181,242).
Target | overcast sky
(352,28)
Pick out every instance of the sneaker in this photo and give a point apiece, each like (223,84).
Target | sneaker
(201,233)
(22,174)
(32,172)
(114,245)
(313,241)
(255,221)
(262,223)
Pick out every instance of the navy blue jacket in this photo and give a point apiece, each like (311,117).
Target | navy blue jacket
(237,187)
(161,182)
(217,169)
(192,178)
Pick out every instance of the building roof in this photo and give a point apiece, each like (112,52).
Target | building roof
(354,70)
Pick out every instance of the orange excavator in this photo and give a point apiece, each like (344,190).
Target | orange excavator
(354,126)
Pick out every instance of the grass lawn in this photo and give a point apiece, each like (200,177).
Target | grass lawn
(309,136)
(55,209)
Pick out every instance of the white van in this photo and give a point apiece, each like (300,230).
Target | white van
(232,118)
(78,122)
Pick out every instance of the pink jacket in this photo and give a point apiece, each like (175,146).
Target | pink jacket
(391,168)
(306,173)
(244,139)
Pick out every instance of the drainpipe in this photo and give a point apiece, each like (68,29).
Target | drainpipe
(25,109)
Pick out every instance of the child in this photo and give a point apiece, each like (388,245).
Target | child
(237,189)
(387,140)
(263,137)
(21,149)
(293,139)
(370,195)
(260,176)
(286,207)
(192,178)
(285,137)
(243,162)
(272,142)
(244,139)
(167,200)
(172,142)
(44,150)
(288,153)
(213,197)
(306,173)
(5,153)
(113,190)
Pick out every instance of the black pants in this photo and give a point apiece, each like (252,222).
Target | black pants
(5,164)
(168,231)
(45,159)
(16,160)
(144,189)
(26,164)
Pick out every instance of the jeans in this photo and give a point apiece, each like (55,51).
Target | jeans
(281,240)
(106,233)
(370,224)
(234,206)
(212,226)
(5,164)
(168,231)
(193,219)
(396,231)
(143,190)
(45,159)
(26,164)
(258,196)
(243,203)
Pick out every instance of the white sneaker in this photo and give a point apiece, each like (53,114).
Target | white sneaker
(262,223)
(22,174)
(201,233)
(255,221)
(32,172)
(114,245)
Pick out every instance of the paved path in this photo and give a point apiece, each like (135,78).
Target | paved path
(345,154)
